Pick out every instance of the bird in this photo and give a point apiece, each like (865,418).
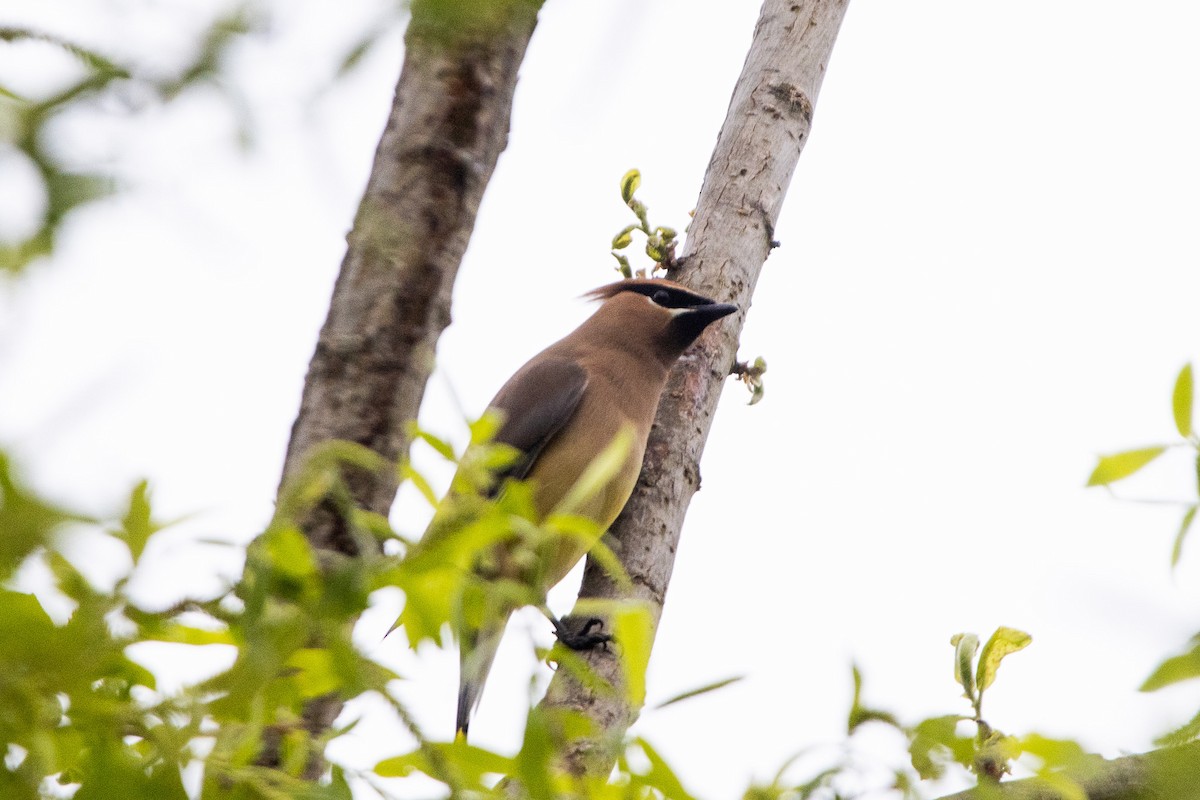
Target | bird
(563,408)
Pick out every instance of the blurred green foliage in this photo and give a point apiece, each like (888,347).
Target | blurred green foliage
(966,742)
(1186,665)
(77,709)
(22,125)
(1116,467)
(105,84)
(26,122)
(79,712)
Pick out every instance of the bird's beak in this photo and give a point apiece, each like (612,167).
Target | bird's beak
(712,312)
(691,322)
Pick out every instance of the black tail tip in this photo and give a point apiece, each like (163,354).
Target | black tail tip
(463,719)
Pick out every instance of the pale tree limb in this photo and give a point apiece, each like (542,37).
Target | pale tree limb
(765,129)
(448,125)
(1172,773)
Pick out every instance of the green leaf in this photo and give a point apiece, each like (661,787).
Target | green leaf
(1184,526)
(375,524)
(1122,465)
(634,631)
(965,646)
(428,605)
(440,445)
(757,390)
(1189,731)
(580,671)
(67,191)
(660,776)
(534,761)
(470,763)
(23,618)
(485,428)
(70,581)
(402,766)
(480,465)
(588,533)
(339,787)
(1053,752)
(26,520)
(710,687)
(185,634)
(630,182)
(1181,401)
(435,571)
(859,713)
(934,742)
(1004,642)
(137,526)
(1175,669)
(290,553)
(320,475)
(1057,755)
(598,473)
(315,672)
(623,239)
(407,473)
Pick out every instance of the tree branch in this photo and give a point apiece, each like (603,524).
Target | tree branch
(765,129)
(1172,773)
(448,125)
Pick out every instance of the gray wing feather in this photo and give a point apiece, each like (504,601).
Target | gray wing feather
(537,402)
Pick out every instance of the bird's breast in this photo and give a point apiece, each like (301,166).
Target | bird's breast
(568,456)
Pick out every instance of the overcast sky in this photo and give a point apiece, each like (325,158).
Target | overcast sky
(988,275)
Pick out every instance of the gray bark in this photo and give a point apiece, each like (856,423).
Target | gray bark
(448,125)
(733,231)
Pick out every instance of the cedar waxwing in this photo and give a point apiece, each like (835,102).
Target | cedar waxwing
(567,405)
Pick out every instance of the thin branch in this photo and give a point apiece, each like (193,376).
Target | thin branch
(733,232)
(1172,773)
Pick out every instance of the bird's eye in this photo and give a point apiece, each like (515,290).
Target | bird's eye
(661,297)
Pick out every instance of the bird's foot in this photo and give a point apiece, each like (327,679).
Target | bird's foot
(584,638)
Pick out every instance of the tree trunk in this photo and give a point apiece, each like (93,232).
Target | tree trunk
(733,231)
(448,125)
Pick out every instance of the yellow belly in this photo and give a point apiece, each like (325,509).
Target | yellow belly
(555,473)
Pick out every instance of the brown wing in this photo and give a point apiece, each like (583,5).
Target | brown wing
(537,402)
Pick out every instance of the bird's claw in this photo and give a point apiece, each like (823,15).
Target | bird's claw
(584,638)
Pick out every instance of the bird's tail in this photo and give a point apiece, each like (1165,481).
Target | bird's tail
(476,651)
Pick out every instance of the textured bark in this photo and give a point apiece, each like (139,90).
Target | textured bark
(765,129)
(1172,773)
(448,125)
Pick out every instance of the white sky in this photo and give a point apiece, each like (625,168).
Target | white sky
(988,276)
